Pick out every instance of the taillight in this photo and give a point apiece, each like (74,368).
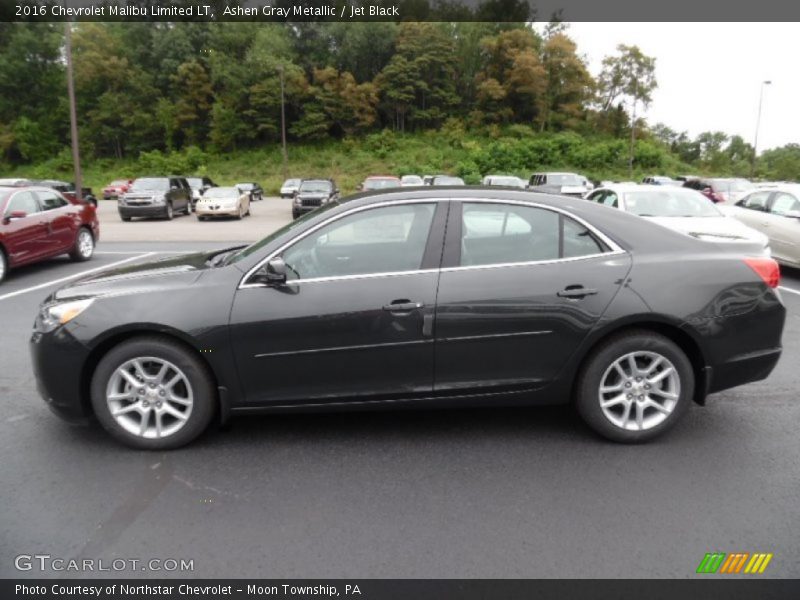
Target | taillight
(767,269)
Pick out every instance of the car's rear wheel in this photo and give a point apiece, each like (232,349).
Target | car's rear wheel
(634,387)
(3,265)
(153,394)
(169,212)
(83,248)
(240,212)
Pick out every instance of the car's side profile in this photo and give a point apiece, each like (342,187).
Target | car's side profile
(37,223)
(776,213)
(155,197)
(429,297)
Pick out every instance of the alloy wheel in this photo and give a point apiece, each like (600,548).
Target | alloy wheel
(639,390)
(85,244)
(149,397)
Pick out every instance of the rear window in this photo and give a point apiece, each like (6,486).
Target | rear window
(671,202)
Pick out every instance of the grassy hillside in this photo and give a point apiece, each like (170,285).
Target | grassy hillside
(515,151)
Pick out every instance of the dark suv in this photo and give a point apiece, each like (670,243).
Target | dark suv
(312,194)
(156,197)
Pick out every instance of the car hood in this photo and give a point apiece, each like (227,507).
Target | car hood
(177,271)
(719,229)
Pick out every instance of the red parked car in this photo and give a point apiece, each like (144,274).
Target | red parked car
(39,223)
(116,188)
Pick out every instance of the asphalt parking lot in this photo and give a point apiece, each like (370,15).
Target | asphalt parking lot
(459,493)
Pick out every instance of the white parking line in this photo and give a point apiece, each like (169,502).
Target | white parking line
(151,252)
(61,280)
(785,289)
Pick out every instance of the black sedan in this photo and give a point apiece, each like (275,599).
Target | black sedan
(434,297)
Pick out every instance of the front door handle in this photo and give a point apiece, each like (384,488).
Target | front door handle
(576,292)
(402,306)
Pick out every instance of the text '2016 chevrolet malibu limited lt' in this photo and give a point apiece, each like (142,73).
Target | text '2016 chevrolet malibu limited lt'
(429,297)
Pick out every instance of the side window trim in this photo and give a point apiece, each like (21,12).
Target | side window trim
(244,283)
(452,251)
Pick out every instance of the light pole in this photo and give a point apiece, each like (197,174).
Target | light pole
(73,117)
(758,124)
(283,125)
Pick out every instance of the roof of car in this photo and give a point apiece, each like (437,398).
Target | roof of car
(637,187)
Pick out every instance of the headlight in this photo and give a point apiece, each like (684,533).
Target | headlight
(159,199)
(55,315)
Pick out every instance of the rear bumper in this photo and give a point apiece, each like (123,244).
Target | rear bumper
(746,368)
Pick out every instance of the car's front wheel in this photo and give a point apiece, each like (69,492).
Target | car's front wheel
(152,393)
(83,248)
(635,386)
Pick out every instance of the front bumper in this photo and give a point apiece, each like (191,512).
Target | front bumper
(146,210)
(58,361)
(210,211)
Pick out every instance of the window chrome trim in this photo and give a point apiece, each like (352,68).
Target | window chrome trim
(615,249)
(277,252)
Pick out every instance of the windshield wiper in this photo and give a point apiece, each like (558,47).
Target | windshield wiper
(219,257)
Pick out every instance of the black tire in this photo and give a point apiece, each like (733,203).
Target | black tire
(295,215)
(83,247)
(169,213)
(188,209)
(200,218)
(239,214)
(202,389)
(126,219)
(590,378)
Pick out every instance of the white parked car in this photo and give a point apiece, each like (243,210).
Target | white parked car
(289,187)
(774,211)
(411,180)
(503,180)
(223,202)
(684,210)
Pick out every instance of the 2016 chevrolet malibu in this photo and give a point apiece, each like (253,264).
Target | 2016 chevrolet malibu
(427,297)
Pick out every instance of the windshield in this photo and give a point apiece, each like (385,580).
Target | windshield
(676,202)
(246,186)
(291,183)
(315,186)
(195,182)
(221,192)
(379,184)
(150,184)
(564,179)
(244,253)
(412,179)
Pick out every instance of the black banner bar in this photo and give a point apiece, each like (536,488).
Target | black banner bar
(744,588)
(398,10)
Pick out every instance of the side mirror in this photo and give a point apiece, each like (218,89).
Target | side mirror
(273,273)
(15,214)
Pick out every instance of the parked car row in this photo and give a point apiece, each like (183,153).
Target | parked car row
(163,197)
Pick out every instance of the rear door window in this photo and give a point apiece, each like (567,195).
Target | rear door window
(756,201)
(783,203)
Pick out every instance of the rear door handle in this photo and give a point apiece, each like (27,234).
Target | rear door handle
(576,291)
(402,306)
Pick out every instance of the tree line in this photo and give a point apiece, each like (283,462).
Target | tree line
(169,86)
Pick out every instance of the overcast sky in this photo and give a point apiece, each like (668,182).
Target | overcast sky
(709,74)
